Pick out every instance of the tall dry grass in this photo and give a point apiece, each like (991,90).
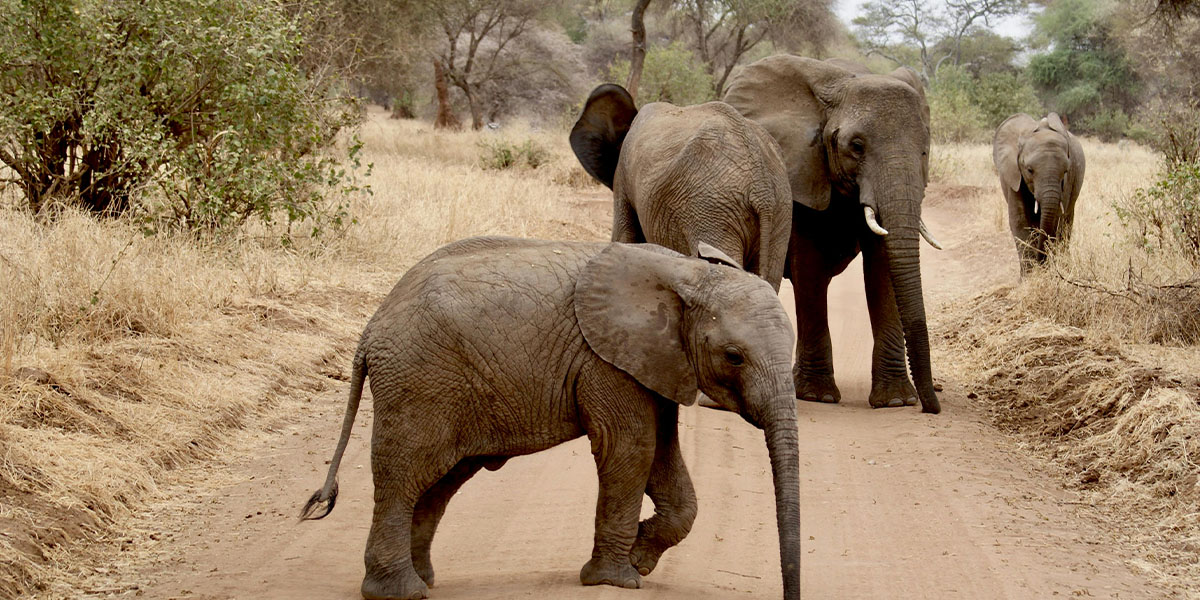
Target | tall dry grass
(124,357)
(1091,359)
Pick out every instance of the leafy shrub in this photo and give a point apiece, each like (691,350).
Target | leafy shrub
(953,114)
(672,74)
(196,111)
(1166,215)
(1109,125)
(1001,95)
(504,154)
(1174,130)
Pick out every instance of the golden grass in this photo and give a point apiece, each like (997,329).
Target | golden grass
(1069,359)
(148,353)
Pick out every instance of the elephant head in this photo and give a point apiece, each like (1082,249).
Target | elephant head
(854,137)
(1047,161)
(681,325)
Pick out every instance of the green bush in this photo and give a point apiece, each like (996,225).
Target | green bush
(672,74)
(195,111)
(504,154)
(1003,94)
(1166,215)
(954,115)
(1108,125)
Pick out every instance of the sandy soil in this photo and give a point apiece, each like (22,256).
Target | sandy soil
(896,504)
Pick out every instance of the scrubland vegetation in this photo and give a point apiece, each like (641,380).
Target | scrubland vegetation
(198,211)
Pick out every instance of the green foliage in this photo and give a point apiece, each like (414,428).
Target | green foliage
(1166,215)
(504,154)
(1000,95)
(195,111)
(954,115)
(671,74)
(1084,75)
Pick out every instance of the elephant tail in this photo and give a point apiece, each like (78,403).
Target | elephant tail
(322,501)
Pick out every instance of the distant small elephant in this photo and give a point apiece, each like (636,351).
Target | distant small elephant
(491,348)
(856,147)
(1041,170)
(685,175)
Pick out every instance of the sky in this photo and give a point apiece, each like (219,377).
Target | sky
(1015,27)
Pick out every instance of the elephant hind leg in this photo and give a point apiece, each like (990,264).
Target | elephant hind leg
(670,487)
(401,479)
(432,505)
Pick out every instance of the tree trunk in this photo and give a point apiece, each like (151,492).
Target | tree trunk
(445,114)
(637,54)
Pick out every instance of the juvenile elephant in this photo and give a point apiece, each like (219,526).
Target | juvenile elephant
(685,175)
(496,347)
(856,146)
(1041,170)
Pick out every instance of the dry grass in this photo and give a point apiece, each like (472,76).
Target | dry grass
(148,353)
(1071,360)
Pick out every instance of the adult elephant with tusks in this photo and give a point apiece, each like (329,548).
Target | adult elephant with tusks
(856,147)
(701,180)
(1041,167)
(491,348)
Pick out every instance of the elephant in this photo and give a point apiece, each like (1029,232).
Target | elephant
(856,147)
(491,348)
(685,175)
(1041,166)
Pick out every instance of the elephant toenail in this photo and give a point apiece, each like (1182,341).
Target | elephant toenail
(894,402)
(643,571)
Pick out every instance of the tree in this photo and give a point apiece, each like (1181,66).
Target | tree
(477,34)
(1083,72)
(923,35)
(637,53)
(724,31)
(206,100)
(672,74)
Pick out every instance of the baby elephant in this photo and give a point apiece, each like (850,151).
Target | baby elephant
(491,348)
(682,176)
(1041,170)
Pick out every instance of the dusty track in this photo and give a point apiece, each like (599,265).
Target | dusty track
(896,504)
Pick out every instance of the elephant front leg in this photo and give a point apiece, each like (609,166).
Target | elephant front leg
(890,386)
(670,487)
(813,371)
(1022,222)
(623,446)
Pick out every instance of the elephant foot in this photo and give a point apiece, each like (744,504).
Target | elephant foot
(601,571)
(424,570)
(817,388)
(644,555)
(402,586)
(892,394)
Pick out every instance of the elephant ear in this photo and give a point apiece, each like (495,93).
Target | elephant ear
(631,314)
(1056,123)
(1075,172)
(790,97)
(598,134)
(1006,149)
(710,253)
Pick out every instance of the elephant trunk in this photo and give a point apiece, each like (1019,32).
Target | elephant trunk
(1050,203)
(783,447)
(902,216)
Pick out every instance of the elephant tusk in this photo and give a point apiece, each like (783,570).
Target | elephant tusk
(869,213)
(929,236)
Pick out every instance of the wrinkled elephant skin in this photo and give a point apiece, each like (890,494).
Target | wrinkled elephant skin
(491,348)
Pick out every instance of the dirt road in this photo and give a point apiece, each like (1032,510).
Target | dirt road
(895,504)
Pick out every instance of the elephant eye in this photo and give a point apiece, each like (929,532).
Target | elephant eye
(857,145)
(734,356)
